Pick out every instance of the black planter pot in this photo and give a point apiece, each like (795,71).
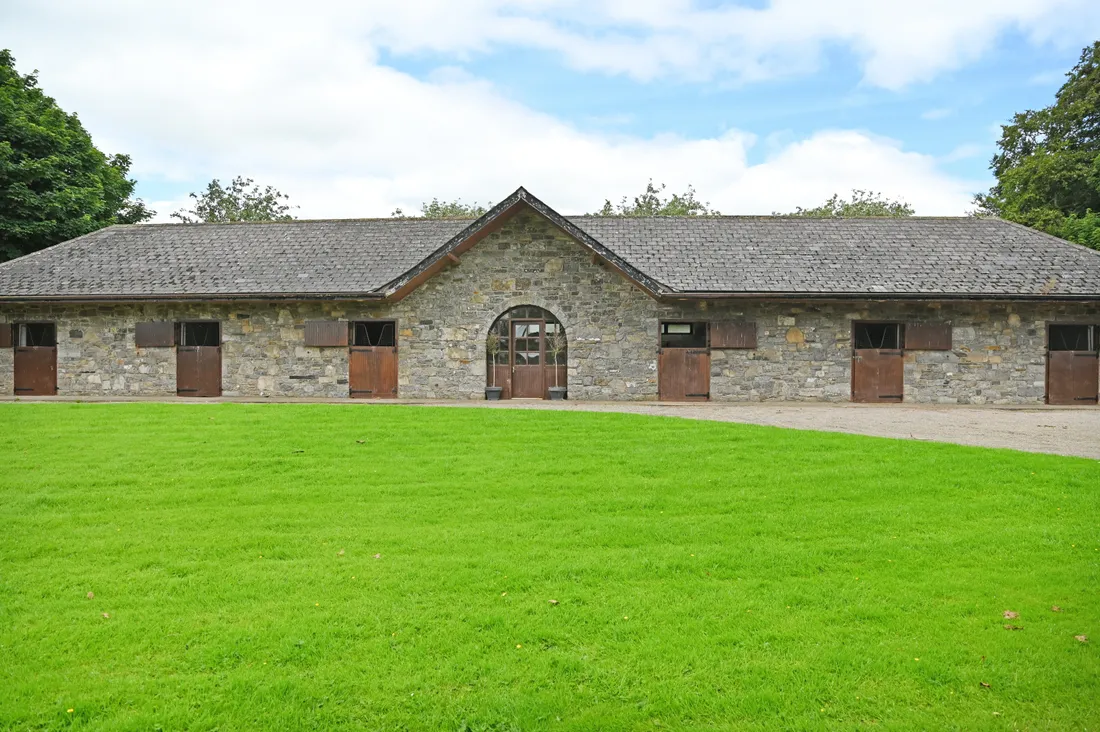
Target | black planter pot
(557,393)
(492,393)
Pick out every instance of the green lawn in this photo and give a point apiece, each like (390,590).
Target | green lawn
(325,567)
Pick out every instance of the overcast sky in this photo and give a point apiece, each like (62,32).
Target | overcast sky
(355,108)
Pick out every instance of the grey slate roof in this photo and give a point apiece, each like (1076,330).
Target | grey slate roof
(292,258)
(916,257)
(912,256)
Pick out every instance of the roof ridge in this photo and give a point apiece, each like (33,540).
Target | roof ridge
(167,224)
(375,219)
(769,217)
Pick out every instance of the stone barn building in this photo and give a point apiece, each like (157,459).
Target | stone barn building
(526,303)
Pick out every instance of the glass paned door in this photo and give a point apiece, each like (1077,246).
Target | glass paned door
(528,348)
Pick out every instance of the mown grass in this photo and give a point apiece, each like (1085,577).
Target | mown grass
(327,567)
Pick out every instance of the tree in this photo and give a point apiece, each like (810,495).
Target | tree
(1048,163)
(445,210)
(236,202)
(863,203)
(54,183)
(650,203)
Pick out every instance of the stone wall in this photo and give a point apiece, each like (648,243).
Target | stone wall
(263,350)
(803,353)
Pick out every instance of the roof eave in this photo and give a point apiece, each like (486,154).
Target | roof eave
(203,297)
(925,296)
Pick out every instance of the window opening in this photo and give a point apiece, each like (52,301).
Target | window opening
(683,335)
(1073,338)
(37,335)
(375,333)
(556,344)
(878,335)
(526,343)
(200,334)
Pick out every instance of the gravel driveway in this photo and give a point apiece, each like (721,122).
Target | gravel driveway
(1061,431)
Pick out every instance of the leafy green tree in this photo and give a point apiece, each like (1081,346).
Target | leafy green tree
(652,203)
(437,209)
(1048,163)
(241,200)
(862,203)
(54,183)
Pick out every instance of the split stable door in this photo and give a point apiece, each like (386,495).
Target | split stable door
(372,360)
(199,359)
(878,362)
(1073,364)
(35,357)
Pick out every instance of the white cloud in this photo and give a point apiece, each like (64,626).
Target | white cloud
(294,97)
(937,114)
(899,43)
(1047,78)
(964,152)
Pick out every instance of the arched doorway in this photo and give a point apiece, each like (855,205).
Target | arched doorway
(527,353)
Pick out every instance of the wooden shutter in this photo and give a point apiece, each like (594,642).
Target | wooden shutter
(6,335)
(928,337)
(731,334)
(156,334)
(324,333)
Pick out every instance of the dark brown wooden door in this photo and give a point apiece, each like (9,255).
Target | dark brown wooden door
(35,370)
(372,372)
(1073,377)
(528,357)
(878,375)
(683,375)
(198,371)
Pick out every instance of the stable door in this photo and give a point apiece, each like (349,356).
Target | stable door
(878,362)
(198,359)
(1073,364)
(372,360)
(35,359)
(683,362)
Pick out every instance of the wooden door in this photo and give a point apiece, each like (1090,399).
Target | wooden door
(878,375)
(198,371)
(1073,377)
(502,377)
(528,357)
(35,370)
(372,372)
(683,375)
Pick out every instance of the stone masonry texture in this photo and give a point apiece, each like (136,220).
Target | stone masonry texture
(803,352)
